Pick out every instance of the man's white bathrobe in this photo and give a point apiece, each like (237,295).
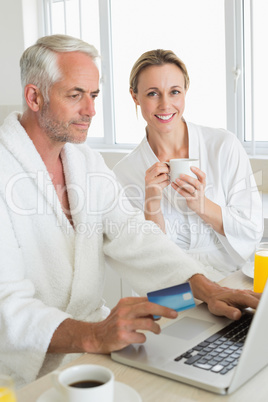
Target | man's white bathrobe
(230,183)
(50,271)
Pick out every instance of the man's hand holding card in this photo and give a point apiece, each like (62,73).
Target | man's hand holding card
(179,297)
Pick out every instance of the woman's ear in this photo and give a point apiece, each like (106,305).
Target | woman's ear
(33,97)
(134,96)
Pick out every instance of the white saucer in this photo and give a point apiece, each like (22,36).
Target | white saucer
(248,269)
(122,393)
(125,393)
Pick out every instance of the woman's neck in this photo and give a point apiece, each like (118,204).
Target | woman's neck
(169,145)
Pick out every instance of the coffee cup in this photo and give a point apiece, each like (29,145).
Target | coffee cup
(85,383)
(181,166)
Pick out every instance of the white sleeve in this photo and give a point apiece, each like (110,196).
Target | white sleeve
(142,254)
(132,180)
(242,214)
(27,325)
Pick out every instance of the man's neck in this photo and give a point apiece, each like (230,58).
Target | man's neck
(49,150)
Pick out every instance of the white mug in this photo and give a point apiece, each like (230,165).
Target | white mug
(85,383)
(181,166)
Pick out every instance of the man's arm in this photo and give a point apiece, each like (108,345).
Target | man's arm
(134,314)
(118,330)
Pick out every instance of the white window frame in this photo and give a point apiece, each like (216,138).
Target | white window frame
(234,67)
(235,77)
(109,139)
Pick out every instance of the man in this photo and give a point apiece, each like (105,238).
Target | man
(63,216)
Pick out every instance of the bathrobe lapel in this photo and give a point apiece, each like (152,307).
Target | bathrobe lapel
(88,276)
(24,151)
(194,153)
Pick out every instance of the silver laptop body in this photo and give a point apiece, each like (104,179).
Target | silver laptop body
(157,355)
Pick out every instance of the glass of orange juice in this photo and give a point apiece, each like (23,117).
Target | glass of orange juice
(7,393)
(260,267)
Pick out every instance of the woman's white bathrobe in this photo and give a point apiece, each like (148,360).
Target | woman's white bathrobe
(48,270)
(229,183)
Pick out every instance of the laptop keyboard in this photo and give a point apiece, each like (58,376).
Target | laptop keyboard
(220,352)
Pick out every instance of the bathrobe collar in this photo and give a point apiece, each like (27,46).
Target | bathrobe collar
(193,139)
(23,149)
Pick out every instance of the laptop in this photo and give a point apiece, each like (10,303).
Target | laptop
(203,350)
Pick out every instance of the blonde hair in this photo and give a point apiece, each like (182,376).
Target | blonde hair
(156,57)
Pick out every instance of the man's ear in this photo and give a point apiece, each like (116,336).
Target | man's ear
(134,96)
(33,97)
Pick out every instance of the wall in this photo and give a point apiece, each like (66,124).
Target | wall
(260,169)
(19,28)
(12,46)
(112,157)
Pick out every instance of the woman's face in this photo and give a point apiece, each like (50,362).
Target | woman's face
(161,96)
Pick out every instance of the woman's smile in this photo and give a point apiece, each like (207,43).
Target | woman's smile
(165,118)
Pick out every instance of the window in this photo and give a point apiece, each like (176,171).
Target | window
(256,67)
(221,42)
(81,19)
(182,30)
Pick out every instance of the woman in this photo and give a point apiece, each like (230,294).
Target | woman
(217,216)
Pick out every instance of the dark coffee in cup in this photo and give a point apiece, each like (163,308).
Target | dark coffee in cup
(86,384)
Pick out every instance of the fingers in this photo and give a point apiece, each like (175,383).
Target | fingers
(230,302)
(187,185)
(122,327)
(220,308)
(130,332)
(245,298)
(241,298)
(133,300)
(142,319)
(158,168)
(156,179)
(136,307)
(158,173)
(157,182)
(186,190)
(186,182)
(144,324)
(200,175)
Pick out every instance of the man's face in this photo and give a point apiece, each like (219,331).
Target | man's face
(67,115)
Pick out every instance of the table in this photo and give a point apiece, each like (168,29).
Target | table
(153,388)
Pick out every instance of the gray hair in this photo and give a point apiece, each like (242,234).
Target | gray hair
(39,65)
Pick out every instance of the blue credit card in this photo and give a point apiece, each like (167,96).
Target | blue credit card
(179,297)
